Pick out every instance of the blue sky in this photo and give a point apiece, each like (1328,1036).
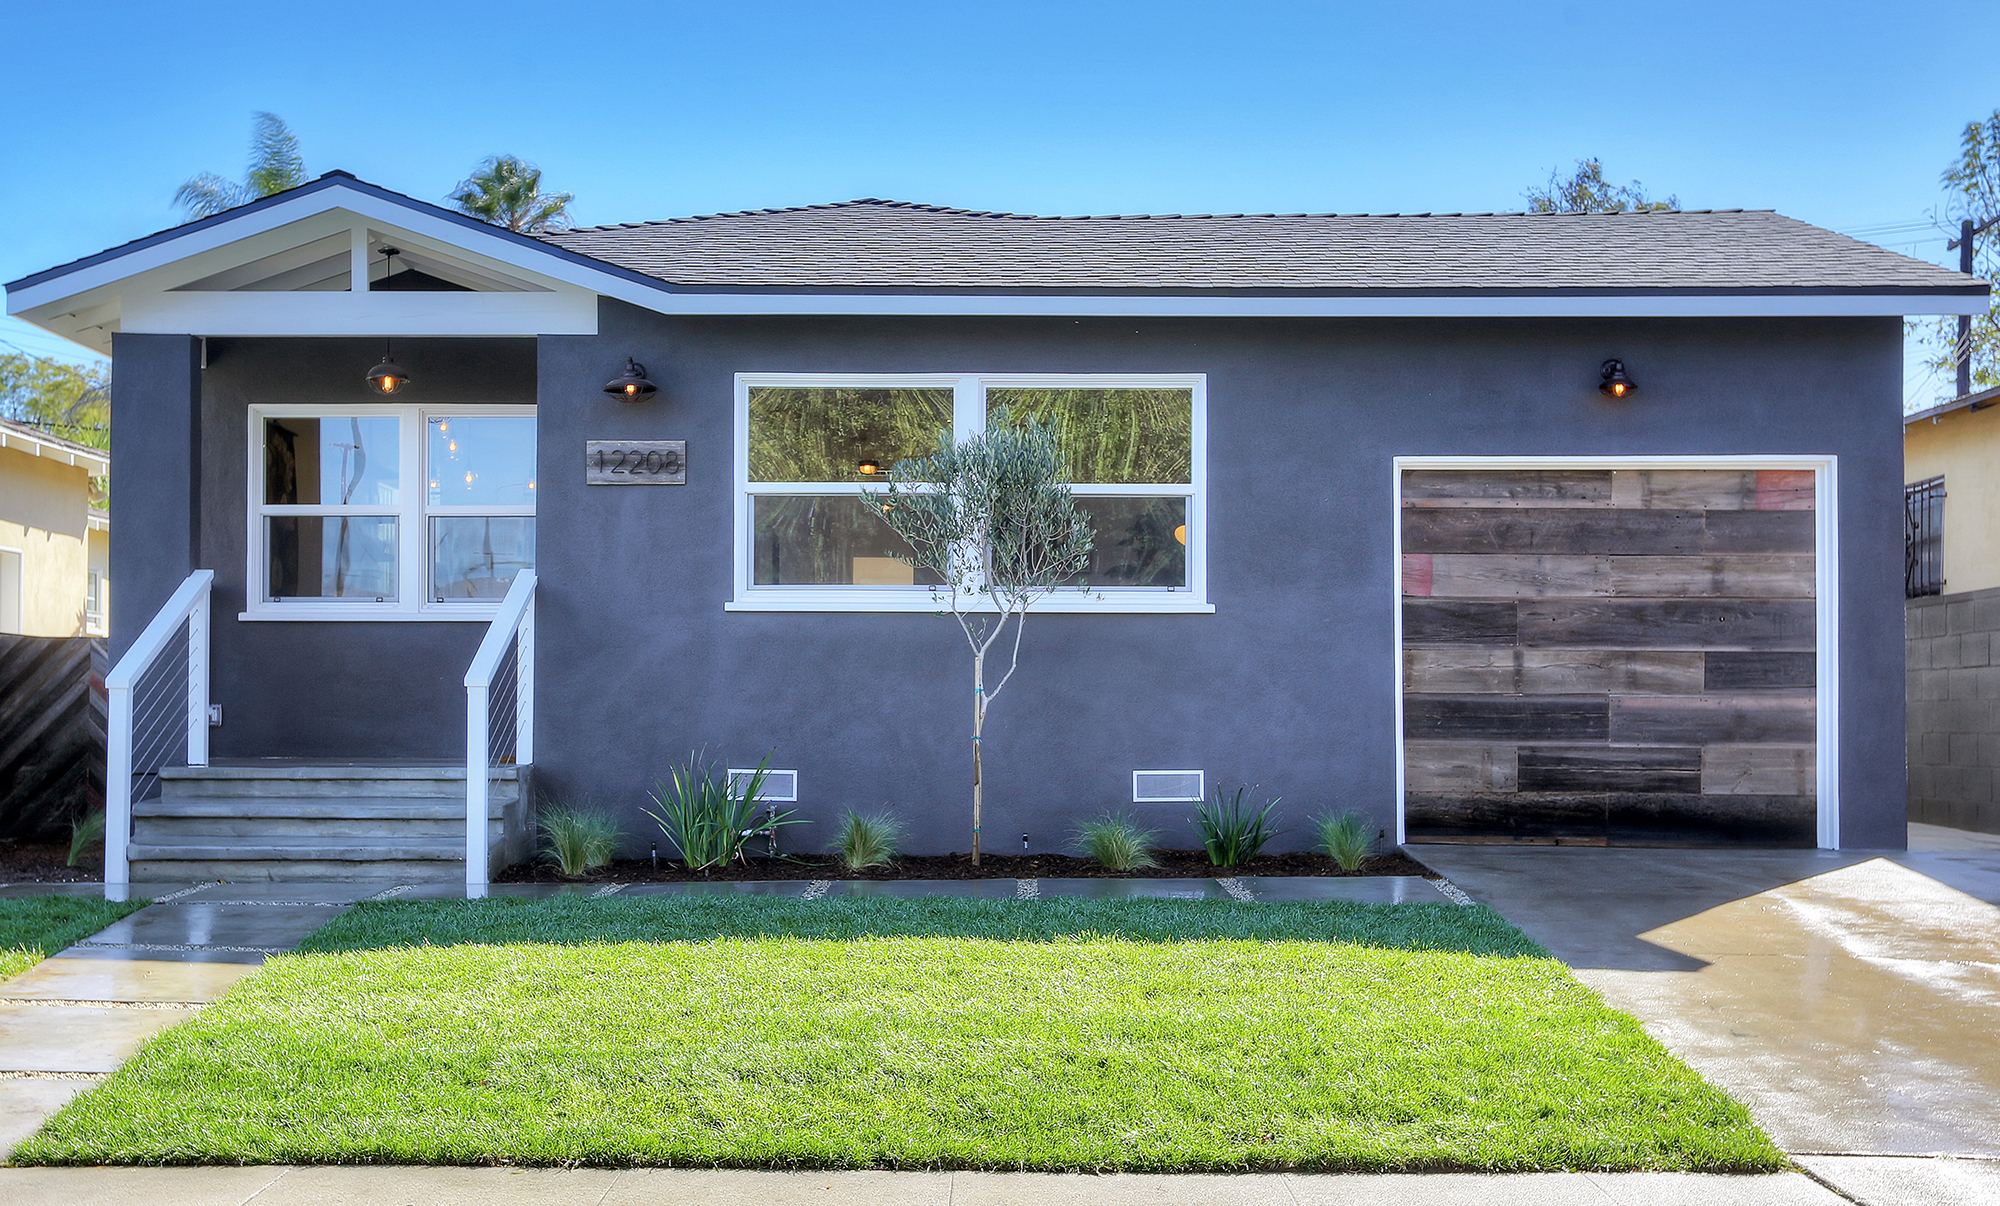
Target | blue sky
(1840,114)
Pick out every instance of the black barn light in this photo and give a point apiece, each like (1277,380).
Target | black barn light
(1615,383)
(386,378)
(632,385)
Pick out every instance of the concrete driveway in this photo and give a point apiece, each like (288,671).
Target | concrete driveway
(1851,1000)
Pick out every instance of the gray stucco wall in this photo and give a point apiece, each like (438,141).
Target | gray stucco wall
(1954,724)
(1289,685)
(344,690)
(155,459)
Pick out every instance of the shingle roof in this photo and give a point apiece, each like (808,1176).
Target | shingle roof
(894,245)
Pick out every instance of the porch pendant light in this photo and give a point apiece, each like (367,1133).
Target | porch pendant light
(1615,383)
(632,385)
(386,378)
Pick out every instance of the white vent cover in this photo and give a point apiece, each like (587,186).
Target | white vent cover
(1167,787)
(780,786)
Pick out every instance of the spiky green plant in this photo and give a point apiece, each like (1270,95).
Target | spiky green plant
(577,838)
(869,840)
(84,829)
(1116,842)
(1231,832)
(1344,838)
(707,816)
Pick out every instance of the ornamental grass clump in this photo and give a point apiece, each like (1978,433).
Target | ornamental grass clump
(578,839)
(1344,838)
(84,831)
(1231,832)
(870,840)
(1115,842)
(707,816)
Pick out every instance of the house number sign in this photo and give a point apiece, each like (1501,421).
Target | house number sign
(635,462)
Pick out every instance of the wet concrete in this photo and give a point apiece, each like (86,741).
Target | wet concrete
(1851,1001)
(77,1038)
(67,978)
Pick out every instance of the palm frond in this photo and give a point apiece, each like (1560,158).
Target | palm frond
(208,194)
(275,162)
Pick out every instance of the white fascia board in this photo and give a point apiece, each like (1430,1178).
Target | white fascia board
(336,203)
(96,464)
(343,313)
(1470,306)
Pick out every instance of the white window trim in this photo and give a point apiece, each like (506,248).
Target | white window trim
(412,541)
(1826,587)
(969,410)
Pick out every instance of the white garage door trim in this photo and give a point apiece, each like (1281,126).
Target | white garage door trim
(1826,588)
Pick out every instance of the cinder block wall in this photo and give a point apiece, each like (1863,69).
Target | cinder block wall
(1953,648)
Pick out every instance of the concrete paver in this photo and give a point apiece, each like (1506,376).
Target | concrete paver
(195,923)
(215,1186)
(1900,1181)
(77,1038)
(65,978)
(25,1102)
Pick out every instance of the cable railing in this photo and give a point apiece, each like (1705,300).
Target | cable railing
(499,714)
(157,698)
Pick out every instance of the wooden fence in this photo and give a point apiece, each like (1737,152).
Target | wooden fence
(52,711)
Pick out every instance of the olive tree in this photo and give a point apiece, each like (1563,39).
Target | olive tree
(993,521)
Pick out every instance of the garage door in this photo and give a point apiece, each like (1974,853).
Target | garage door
(1609,657)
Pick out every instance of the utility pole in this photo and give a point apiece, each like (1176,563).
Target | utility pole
(1962,350)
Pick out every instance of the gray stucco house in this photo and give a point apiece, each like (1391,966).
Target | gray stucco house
(1375,529)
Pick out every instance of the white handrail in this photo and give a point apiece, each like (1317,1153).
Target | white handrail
(188,605)
(515,623)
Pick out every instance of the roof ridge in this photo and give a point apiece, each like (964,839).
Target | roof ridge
(960,211)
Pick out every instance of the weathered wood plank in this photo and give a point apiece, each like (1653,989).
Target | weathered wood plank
(1607,768)
(1554,531)
(1506,487)
(1705,820)
(1686,489)
(1761,770)
(1760,671)
(1505,816)
(1785,490)
(1612,818)
(1741,576)
(1456,622)
(1517,576)
(1504,718)
(1444,671)
(1452,766)
(1712,719)
(1755,532)
(1762,624)
(1417,574)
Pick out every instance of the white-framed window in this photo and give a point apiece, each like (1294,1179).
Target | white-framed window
(368,512)
(809,444)
(93,601)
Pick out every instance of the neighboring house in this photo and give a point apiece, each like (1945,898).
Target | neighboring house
(48,531)
(1370,534)
(1951,575)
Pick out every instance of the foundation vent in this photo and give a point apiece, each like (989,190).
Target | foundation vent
(1167,787)
(780,786)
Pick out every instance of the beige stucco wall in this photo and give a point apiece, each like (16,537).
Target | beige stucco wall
(1964,448)
(43,514)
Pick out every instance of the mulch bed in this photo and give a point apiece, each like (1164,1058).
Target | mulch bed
(48,863)
(1174,864)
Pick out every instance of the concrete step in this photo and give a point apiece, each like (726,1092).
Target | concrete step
(345,849)
(381,808)
(171,828)
(281,779)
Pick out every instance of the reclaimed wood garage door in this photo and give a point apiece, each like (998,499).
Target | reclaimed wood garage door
(1621,657)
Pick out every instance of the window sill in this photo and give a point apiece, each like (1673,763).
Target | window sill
(368,613)
(1150,604)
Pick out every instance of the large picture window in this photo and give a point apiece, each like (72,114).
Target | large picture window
(388,512)
(808,446)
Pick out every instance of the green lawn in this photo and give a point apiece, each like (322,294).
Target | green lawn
(937,1033)
(34,927)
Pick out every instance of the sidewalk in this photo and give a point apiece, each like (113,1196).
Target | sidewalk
(395,1186)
